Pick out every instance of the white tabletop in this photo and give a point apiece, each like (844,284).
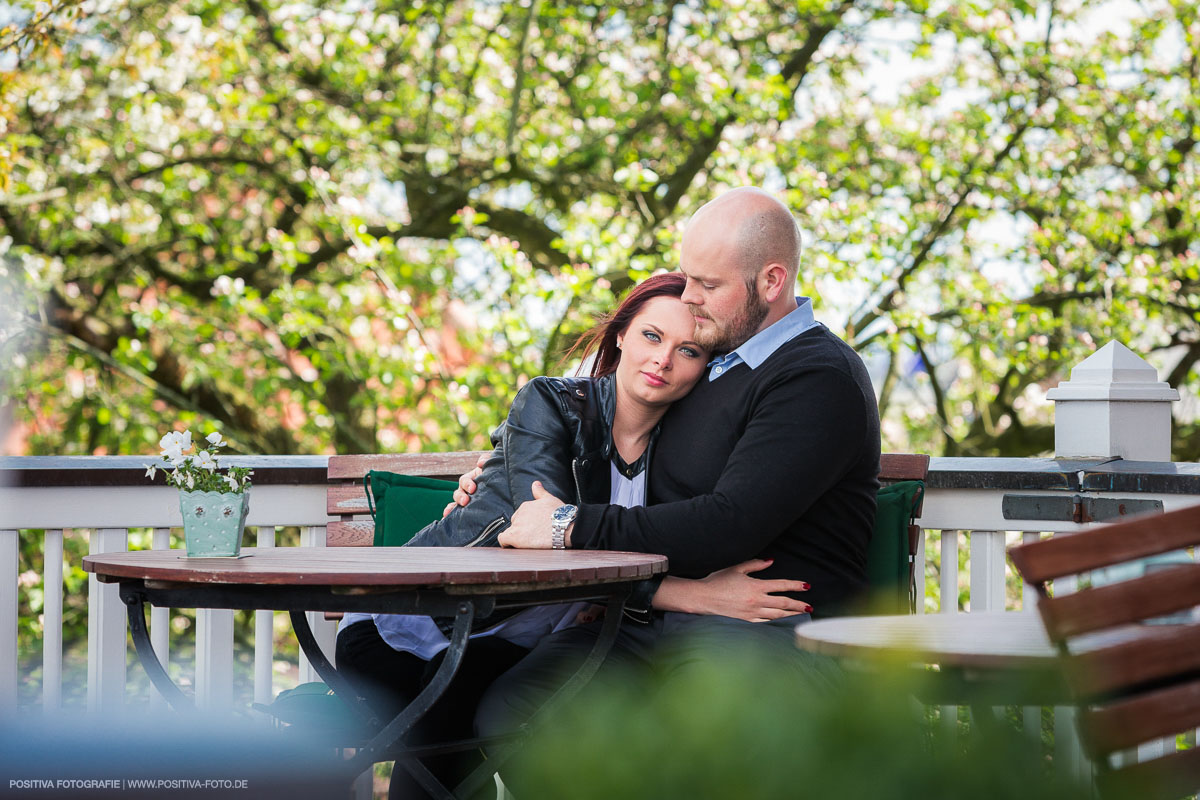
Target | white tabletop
(982,639)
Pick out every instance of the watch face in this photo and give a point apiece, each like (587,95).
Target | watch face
(563,513)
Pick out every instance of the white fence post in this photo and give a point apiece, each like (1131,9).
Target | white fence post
(214,659)
(1113,405)
(107,622)
(10,565)
(264,636)
(160,621)
(52,612)
(324,631)
(987,570)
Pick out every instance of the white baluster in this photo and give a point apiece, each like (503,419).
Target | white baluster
(1155,749)
(949,572)
(10,564)
(52,621)
(107,623)
(949,605)
(264,636)
(214,659)
(987,570)
(324,630)
(1033,714)
(160,621)
(1028,593)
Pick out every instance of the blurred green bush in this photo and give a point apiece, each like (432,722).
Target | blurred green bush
(750,730)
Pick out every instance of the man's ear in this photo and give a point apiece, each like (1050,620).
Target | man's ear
(772,281)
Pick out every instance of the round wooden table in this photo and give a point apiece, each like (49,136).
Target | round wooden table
(458,582)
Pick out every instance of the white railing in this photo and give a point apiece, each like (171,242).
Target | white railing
(45,497)
(974,505)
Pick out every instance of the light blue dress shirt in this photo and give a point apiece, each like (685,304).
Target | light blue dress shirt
(759,347)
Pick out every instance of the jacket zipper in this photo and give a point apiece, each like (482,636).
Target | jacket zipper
(491,526)
(578,485)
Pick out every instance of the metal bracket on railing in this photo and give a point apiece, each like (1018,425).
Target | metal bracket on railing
(1075,508)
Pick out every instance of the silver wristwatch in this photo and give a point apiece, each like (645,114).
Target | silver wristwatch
(559,521)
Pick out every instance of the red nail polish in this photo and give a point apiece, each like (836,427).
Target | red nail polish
(806,586)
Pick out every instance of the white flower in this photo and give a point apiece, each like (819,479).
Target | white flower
(191,482)
(204,460)
(232,481)
(175,444)
(215,439)
(150,471)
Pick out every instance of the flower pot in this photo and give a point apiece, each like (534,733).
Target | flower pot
(213,522)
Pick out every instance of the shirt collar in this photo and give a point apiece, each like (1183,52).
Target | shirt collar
(759,347)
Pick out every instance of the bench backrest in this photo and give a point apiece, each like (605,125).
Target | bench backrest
(346,502)
(1139,680)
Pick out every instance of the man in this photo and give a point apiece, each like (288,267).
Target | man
(775,456)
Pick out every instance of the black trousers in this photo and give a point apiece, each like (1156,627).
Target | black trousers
(389,679)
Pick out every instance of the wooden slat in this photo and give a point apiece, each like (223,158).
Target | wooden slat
(903,467)
(1136,538)
(355,533)
(1173,775)
(1161,592)
(1152,715)
(1157,652)
(347,498)
(447,466)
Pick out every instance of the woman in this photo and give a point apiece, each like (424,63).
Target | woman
(584,438)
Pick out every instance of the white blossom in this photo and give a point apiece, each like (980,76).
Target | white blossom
(215,439)
(204,460)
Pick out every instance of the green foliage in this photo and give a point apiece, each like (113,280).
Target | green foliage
(338,228)
(752,728)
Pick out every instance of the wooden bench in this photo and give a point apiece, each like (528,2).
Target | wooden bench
(351,525)
(346,502)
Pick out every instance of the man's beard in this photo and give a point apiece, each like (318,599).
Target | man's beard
(723,337)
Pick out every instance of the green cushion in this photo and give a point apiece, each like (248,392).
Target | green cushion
(887,557)
(404,504)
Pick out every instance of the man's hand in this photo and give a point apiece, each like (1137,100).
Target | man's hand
(466,486)
(530,527)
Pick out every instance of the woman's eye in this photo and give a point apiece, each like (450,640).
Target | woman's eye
(651,335)
(689,352)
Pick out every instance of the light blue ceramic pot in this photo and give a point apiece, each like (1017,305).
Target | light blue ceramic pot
(213,522)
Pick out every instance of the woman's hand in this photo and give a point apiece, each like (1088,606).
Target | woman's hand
(731,592)
(466,486)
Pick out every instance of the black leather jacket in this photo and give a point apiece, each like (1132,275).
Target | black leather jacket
(559,432)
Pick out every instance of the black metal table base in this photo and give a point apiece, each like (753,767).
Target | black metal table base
(387,742)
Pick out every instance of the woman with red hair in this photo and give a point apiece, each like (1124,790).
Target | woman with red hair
(585,438)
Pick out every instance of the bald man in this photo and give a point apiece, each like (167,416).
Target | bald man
(774,455)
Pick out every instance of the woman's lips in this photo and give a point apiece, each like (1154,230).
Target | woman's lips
(653,379)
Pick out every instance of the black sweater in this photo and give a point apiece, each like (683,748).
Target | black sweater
(779,462)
